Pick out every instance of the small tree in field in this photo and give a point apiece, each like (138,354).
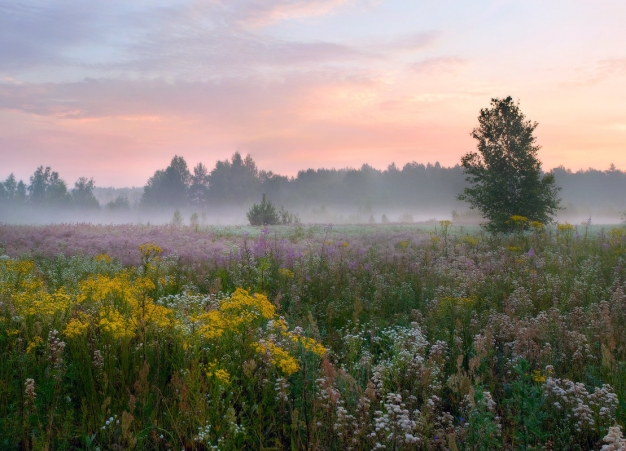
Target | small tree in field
(263,213)
(505,174)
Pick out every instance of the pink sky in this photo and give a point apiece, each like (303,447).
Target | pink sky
(113,91)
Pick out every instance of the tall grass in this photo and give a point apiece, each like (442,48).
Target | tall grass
(322,338)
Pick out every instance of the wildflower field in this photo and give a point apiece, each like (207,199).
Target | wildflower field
(311,337)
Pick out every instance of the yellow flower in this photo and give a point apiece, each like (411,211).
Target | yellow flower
(75,328)
(312,345)
(112,322)
(102,258)
(32,345)
(286,273)
(278,357)
(518,219)
(538,377)
(242,302)
(149,250)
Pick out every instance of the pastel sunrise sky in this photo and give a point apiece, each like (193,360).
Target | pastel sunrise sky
(114,89)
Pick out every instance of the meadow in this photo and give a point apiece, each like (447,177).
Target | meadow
(396,337)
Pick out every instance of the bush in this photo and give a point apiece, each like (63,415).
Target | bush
(263,214)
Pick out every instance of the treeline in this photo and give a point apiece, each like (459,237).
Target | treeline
(238,182)
(48,189)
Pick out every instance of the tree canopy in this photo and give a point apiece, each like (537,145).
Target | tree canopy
(168,187)
(505,174)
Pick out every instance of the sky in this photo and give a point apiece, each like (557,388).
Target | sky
(114,89)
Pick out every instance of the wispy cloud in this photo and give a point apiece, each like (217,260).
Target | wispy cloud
(438,66)
(236,98)
(265,12)
(597,72)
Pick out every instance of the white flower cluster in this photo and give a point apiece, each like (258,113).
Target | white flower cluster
(281,387)
(393,425)
(614,440)
(110,422)
(580,406)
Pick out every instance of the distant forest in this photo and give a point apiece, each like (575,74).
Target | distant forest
(238,182)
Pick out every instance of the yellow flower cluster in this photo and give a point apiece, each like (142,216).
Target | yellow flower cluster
(278,357)
(310,345)
(32,345)
(30,297)
(76,327)
(123,305)
(538,377)
(220,374)
(149,251)
(102,258)
(518,219)
(240,311)
(286,273)
(119,307)
(403,244)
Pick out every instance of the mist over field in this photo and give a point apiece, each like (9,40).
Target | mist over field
(222,195)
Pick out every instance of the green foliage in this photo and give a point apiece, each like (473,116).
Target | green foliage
(177,220)
(199,188)
(525,402)
(448,341)
(235,181)
(47,188)
(287,217)
(263,214)
(505,174)
(168,187)
(120,203)
(82,194)
(483,433)
(12,191)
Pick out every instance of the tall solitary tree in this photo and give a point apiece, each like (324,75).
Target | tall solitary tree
(505,174)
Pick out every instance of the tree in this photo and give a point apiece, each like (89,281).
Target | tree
(120,203)
(82,194)
(12,191)
(234,181)
(47,188)
(263,214)
(198,191)
(168,187)
(505,175)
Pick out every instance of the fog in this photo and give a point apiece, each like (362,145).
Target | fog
(320,214)
(415,193)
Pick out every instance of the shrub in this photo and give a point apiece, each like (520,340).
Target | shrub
(263,213)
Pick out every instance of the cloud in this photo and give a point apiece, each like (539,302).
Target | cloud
(229,52)
(227,99)
(438,66)
(266,12)
(35,34)
(597,72)
(412,42)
